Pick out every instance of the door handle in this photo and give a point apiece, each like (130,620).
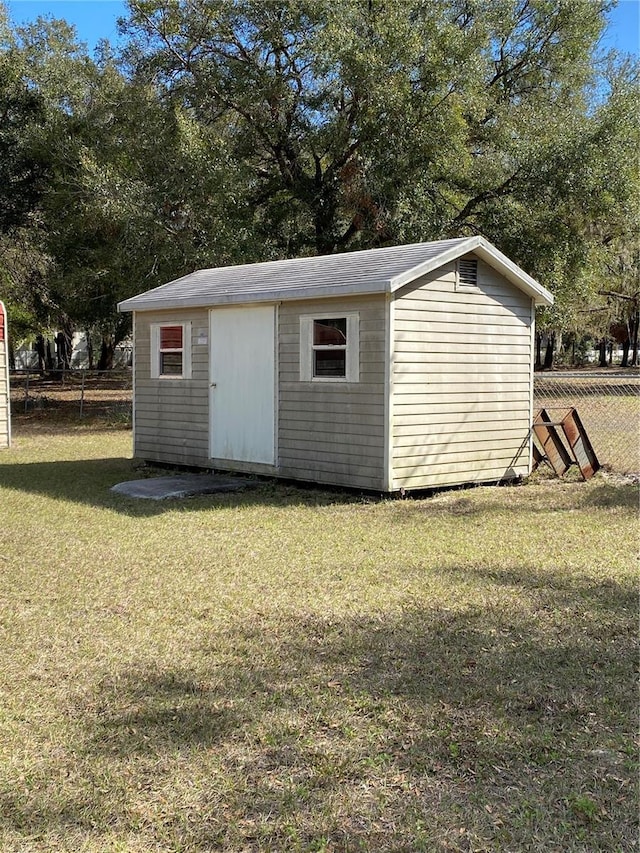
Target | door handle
(214,384)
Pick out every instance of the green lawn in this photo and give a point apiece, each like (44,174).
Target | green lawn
(303,670)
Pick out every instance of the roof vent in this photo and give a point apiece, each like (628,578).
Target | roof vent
(467,273)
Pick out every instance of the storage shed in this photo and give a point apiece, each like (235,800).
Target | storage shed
(5,403)
(407,367)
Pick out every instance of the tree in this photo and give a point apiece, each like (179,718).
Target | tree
(129,200)
(370,122)
(22,168)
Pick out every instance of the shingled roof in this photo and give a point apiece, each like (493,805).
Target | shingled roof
(369,271)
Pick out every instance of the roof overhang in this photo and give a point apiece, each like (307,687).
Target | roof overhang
(247,297)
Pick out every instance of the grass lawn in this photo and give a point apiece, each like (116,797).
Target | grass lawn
(304,670)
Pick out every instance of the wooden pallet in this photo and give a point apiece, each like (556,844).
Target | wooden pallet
(558,452)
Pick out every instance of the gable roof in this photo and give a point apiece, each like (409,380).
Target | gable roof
(349,273)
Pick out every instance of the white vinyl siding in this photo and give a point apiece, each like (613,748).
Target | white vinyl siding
(461,381)
(172,417)
(333,432)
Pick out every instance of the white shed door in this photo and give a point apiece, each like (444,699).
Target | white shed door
(243,384)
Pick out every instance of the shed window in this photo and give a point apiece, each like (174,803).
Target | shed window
(467,273)
(171,351)
(329,348)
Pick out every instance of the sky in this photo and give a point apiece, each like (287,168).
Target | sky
(96,19)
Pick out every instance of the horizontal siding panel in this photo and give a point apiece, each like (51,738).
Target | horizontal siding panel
(439,333)
(177,457)
(458,303)
(459,476)
(471,433)
(345,465)
(187,454)
(172,418)
(457,331)
(459,451)
(337,411)
(432,425)
(173,433)
(474,301)
(423,404)
(444,413)
(458,384)
(344,392)
(325,445)
(344,402)
(332,477)
(198,392)
(481,345)
(199,400)
(170,438)
(488,292)
(170,451)
(148,396)
(297,421)
(429,371)
(456,462)
(497,360)
(479,310)
(149,426)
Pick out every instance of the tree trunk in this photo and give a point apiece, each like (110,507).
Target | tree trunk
(49,357)
(40,349)
(107,352)
(602,346)
(548,355)
(538,351)
(12,355)
(626,346)
(61,351)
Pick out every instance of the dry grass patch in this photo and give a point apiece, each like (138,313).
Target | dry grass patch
(293,669)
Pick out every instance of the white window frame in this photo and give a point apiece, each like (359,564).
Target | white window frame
(186,351)
(352,349)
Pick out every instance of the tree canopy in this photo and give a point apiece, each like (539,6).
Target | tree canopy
(241,130)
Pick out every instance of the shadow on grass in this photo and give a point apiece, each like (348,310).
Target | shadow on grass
(371,733)
(88,481)
(606,495)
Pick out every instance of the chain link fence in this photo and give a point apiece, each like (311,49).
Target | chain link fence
(608,404)
(75,393)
